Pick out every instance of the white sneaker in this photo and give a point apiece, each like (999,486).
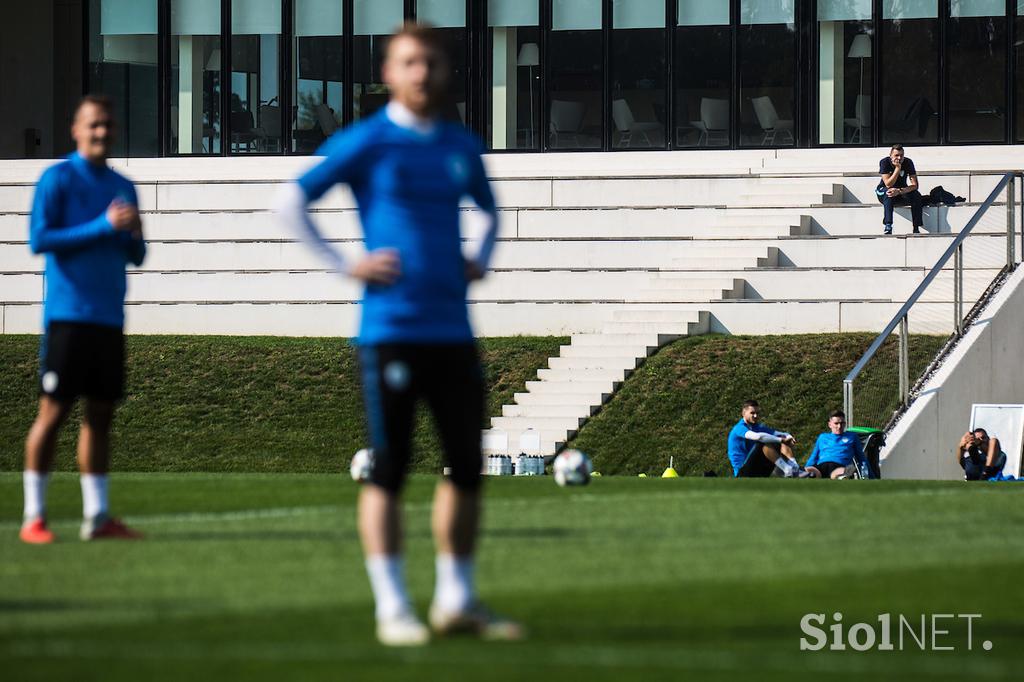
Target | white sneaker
(475,620)
(403,630)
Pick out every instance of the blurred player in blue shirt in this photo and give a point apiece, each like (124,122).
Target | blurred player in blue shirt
(409,170)
(756,450)
(836,453)
(85,220)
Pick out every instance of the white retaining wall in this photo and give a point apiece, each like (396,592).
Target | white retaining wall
(985,367)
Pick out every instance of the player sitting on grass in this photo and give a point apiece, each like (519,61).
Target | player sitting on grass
(980,456)
(409,170)
(756,450)
(836,453)
(84,218)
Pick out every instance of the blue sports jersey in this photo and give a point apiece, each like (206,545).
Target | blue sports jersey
(408,187)
(841,449)
(85,255)
(739,447)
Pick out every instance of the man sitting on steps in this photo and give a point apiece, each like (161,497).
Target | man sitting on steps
(898,187)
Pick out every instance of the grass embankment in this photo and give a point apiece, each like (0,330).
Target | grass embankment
(210,403)
(683,400)
(260,578)
(283,404)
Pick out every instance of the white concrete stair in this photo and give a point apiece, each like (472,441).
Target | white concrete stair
(588,370)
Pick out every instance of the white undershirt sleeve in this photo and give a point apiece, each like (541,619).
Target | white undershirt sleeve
(292,212)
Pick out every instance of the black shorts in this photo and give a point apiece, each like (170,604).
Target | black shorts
(81,359)
(449,378)
(826,468)
(757,464)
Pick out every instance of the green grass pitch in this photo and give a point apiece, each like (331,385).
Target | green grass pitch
(259,577)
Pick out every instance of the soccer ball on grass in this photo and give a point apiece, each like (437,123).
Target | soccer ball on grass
(572,467)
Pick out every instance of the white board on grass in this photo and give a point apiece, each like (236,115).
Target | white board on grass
(1005,422)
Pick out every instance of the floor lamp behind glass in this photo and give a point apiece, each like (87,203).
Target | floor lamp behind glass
(529,55)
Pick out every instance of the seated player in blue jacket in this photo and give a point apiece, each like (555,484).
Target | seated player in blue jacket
(836,453)
(756,450)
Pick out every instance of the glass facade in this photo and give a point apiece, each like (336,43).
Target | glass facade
(318,73)
(256,121)
(845,72)
(1018,59)
(513,46)
(266,77)
(910,74)
(703,74)
(767,73)
(194,119)
(575,75)
(638,55)
(122,63)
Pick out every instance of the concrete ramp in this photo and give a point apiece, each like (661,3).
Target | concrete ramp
(985,367)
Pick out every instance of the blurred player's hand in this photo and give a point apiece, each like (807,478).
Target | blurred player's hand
(124,217)
(380,267)
(473,271)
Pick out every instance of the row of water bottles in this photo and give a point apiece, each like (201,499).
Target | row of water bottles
(525,465)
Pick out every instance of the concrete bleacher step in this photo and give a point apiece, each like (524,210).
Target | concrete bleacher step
(602,387)
(566,410)
(532,398)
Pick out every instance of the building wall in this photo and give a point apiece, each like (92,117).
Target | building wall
(40,76)
(26,79)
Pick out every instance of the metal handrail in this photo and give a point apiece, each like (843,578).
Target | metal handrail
(955,249)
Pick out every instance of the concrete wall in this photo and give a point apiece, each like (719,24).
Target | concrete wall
(985,367)
(26,78)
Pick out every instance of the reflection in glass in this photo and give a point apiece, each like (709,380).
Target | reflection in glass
(767,70)
(123,66)
(317,60)
(910,71)
(374,21)
(256,122)
(1018,51)
(638,74)
(976,54)
(703,73)
(576,74)
(194,122)
(845,37)
(513,40)
(448,17)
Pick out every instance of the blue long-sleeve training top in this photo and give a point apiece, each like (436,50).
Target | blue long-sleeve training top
(408,185)
(85,255)
(842,449)
(744,439)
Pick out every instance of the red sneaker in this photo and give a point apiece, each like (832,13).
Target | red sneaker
(107,527)
(35,532)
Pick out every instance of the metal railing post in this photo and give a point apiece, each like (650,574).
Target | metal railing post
(1011,237)
(904,360)
(958,291)
(848,401)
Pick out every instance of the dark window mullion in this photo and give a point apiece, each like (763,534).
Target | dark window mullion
(225,78)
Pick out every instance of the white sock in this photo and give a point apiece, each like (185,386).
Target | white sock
(388,585)
(454,590)
(787,465)
(94,495)
(34,483)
